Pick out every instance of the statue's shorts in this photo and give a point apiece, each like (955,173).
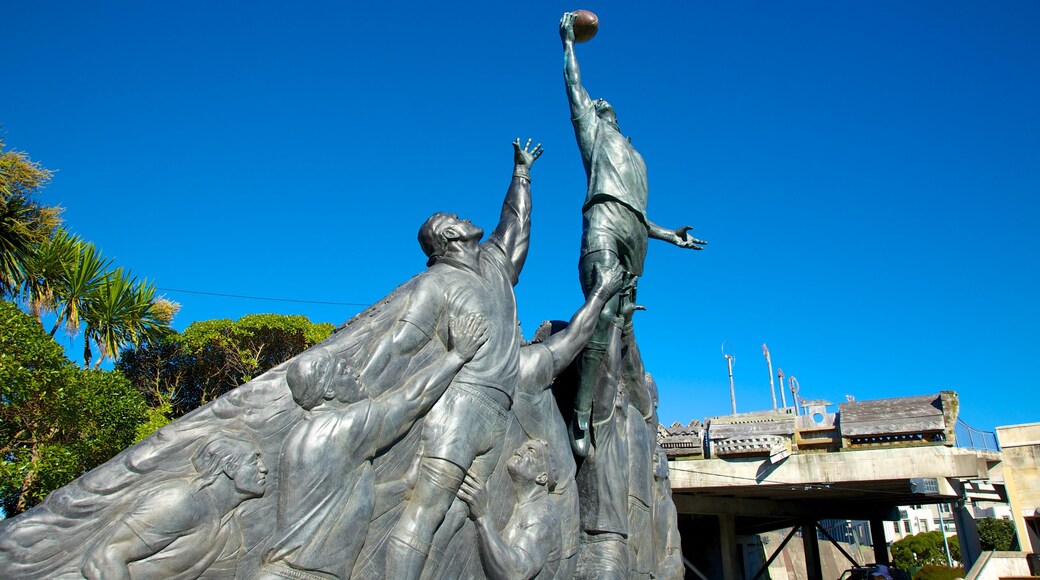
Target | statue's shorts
(467,427)
(612,226)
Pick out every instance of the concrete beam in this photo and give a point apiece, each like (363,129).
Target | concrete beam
(847,466)
(787,509)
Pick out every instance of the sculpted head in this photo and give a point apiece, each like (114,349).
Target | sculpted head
(238,459)
(317,376)
(660,464)
(440,229)
(605,111)
(533,462)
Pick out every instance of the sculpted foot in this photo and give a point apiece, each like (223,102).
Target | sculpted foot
(579,432)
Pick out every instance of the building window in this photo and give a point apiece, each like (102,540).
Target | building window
(906,526)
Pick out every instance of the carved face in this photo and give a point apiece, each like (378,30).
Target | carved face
(604,110)
(460,229)
(251,476)
(345,384)
(530,462)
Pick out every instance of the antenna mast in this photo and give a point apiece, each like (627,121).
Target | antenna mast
(795,387)
(769,363)
(729,364)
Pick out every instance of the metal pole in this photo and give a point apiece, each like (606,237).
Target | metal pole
(769,363)
(783,397)
(793,383)
(732,392)
(946,542)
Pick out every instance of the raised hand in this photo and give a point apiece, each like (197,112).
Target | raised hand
(567,27)
(467,335)
(525,156)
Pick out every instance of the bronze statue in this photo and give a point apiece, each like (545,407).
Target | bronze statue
(615,231)
(529,545)
(328,490)
(464,429)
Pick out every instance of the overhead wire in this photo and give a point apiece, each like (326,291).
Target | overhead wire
(264,297)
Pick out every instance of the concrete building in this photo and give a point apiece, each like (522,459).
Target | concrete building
(1020,448)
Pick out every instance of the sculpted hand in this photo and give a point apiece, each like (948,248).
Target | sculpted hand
(467,335)
(684,241)
(525,156)
(609,280)
(567,27)
(475,497)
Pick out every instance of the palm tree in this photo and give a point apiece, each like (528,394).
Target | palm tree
(121,312)
(23,222)
(44,272)
(80,280)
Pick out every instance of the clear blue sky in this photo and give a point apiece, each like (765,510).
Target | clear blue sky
(866,172)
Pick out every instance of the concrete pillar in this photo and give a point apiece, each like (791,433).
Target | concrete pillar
(811,544)
(728,546)
(877,536)
(967,533)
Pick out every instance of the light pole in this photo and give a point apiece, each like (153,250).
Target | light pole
(769,363)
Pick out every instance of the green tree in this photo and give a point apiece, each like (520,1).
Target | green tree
(56,421)
(121,312)
(45,273)
(24,222)
(921,549)
(211,357)
(996,534)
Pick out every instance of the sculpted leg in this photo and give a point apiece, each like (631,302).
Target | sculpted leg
(410,542)
(598,360)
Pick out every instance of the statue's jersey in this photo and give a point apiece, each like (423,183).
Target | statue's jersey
(327,494)
(616,171)
(450,291)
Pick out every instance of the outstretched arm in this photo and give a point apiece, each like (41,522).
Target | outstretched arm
(576,93)
(677,237)
(566,344)
(514,225)
(397,409)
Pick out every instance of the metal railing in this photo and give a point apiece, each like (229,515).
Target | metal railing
(969,437)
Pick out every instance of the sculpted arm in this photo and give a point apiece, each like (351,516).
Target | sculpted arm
(566,344)
(677,237)
(576,93)
(110,559)
(514,225)
(397,347)
(162,509)
(398,408)
(500,560)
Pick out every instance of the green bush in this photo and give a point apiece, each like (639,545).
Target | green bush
(995,534)
(933,572)
(56,420)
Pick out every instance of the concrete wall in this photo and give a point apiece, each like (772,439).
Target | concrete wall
(998,565)
(1020,450)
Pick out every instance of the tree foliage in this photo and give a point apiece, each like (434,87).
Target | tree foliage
(24,222)
(996,534)
(211,357)
(56,421)
(922,549)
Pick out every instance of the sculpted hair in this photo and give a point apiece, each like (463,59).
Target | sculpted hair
(431,240)
(221,453)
